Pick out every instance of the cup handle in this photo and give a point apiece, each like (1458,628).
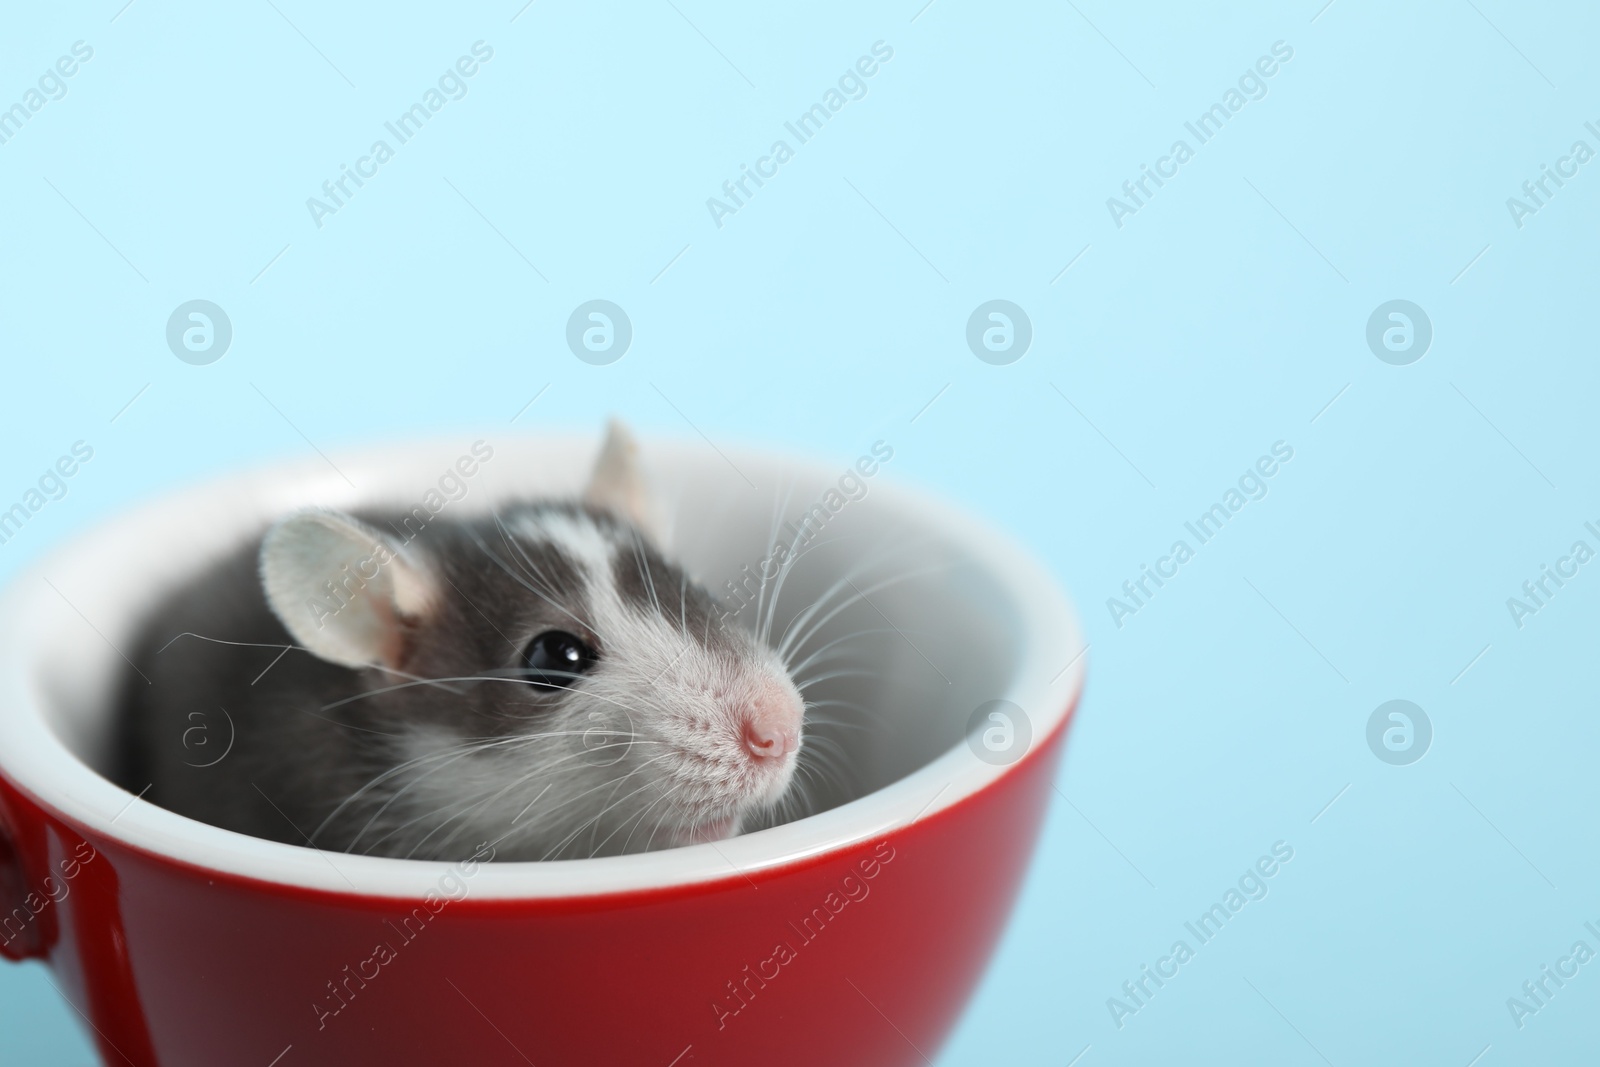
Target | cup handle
(22,934)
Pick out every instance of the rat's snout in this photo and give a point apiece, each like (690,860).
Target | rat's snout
(772,723)
(767,740)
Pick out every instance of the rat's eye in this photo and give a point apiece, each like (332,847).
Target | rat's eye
(556,657)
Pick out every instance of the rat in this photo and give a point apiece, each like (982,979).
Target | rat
(543,678)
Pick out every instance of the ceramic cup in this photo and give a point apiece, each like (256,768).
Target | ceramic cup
(850,936)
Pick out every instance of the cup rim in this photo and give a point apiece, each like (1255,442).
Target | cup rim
(1047,682)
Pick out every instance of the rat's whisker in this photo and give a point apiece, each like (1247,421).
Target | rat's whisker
(851,704)
(637,820)
(449,754)
(774,527)
(538,571)
(840,724)
(543,769)
(497,794)
(548,813)
(383,690)
(683,602)
(379,780)
(547,818)
(661,819)
(528,561)
(796,668)
(537,797)
(518,578)
(239,644)
(821,769)
(848,580)
(643,566)
(794,553)
(584,825)
(785,648)
(464,807)
(839,585)
(348,725)
(843,672)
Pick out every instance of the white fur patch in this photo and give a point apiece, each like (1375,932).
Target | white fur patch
(577,537)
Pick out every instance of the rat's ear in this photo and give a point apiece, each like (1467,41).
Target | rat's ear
(618,484)
(341,588)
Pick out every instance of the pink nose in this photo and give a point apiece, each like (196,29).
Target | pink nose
(771,727)
(766,741)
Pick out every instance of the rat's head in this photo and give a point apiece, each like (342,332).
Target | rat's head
(548,679)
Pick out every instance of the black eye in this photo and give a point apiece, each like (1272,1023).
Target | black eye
(556,657)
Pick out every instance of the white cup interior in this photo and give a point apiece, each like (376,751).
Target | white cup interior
(943,614)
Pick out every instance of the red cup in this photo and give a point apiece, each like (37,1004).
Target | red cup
(853,936)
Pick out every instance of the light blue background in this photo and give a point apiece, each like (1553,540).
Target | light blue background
(1223,317)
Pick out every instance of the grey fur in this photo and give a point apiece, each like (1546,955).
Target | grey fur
(641,753)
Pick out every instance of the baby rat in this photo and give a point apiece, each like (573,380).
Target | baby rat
(542,678)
